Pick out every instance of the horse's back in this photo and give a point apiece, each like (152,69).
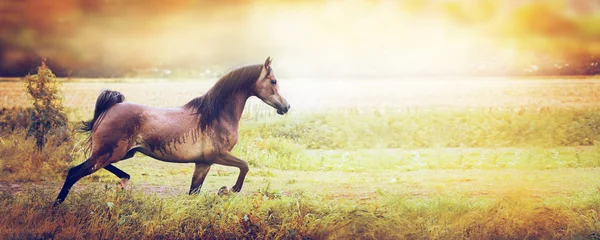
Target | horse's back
(130,118)
(168,134)
(122,118)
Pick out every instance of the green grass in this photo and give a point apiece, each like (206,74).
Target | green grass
(289,156)
(442,172)
(471,138)
(433,128)
(382,194)
(174,179)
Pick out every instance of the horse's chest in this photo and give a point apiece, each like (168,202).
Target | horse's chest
(230,142)
(226,139)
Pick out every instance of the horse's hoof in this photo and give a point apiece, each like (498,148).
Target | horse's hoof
(224,191)
(123,184)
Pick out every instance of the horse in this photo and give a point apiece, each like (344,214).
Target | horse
(203,131)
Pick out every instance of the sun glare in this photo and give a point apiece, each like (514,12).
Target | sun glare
(365,39)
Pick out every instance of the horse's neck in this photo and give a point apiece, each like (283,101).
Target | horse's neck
(234,107)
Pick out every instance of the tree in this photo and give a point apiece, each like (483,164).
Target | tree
(48,117)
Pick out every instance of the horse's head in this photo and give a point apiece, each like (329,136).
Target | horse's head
(267,89)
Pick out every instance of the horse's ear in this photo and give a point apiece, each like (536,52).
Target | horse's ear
(268,62)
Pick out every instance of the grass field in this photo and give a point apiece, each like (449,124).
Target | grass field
(383,159)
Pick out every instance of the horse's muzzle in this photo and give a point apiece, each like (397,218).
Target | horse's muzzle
(283,110)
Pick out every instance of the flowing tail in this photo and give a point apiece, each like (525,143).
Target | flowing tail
(106,99)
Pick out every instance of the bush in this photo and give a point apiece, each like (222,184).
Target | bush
(47,117)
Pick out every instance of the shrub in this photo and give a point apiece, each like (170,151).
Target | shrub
(48,117)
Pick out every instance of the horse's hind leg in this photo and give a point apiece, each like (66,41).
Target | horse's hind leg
(92,164)
(120,174)
(74,174)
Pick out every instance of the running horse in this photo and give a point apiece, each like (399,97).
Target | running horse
(203,131)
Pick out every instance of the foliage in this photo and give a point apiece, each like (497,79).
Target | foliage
(47,117)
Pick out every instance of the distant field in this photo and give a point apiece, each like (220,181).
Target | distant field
(313,94)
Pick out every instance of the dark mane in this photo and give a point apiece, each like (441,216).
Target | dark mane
(209,105)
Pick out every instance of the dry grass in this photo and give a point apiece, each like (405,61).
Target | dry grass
(107,213)
(20,160)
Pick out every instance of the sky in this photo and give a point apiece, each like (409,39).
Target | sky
(312,38)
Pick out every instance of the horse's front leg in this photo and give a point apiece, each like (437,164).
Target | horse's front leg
(200,173)
(229,160)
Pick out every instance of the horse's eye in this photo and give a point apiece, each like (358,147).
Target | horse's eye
(273,81)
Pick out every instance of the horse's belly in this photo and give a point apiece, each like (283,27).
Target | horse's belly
(176,152)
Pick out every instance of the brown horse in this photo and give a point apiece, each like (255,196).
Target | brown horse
(203,131)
